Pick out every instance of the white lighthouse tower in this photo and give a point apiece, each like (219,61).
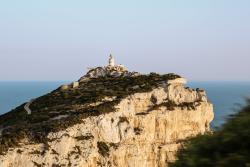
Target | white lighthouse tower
(111,61)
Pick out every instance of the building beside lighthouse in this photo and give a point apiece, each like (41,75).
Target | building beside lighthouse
(111,70)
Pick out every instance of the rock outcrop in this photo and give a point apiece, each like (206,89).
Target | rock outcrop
(111,71)
(107,120)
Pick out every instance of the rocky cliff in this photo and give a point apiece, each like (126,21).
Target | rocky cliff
(121,120)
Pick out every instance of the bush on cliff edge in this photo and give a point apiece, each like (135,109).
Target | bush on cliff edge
(228,146)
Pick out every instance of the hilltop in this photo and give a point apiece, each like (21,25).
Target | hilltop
(92,121)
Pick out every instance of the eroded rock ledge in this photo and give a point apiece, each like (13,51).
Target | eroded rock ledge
(130,121)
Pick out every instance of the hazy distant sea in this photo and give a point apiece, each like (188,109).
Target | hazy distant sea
(224,95)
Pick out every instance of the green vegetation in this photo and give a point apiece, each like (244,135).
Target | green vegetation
(87,137)
(54,152)
(57,165)
(123,119)
(77,151)
(74,105)
(170,105)
(138,130)
(103,149)
(37,164)
(228,146)
(36,152)
(114,145)
(19,151)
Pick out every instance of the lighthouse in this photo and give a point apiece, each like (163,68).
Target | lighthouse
(111,61)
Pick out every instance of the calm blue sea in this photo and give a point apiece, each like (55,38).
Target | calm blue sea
(224,95)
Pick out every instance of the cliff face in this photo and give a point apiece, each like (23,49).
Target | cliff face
(145,129)
(137,134)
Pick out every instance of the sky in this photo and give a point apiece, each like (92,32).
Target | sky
(202,40)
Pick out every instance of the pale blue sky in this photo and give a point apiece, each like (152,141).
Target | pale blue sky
(59,39)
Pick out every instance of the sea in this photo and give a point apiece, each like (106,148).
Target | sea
(227,97)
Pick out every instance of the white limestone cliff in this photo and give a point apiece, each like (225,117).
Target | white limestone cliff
(141,133)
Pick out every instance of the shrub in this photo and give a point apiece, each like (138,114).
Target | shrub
(138,130)
(103,148)
(87,137)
